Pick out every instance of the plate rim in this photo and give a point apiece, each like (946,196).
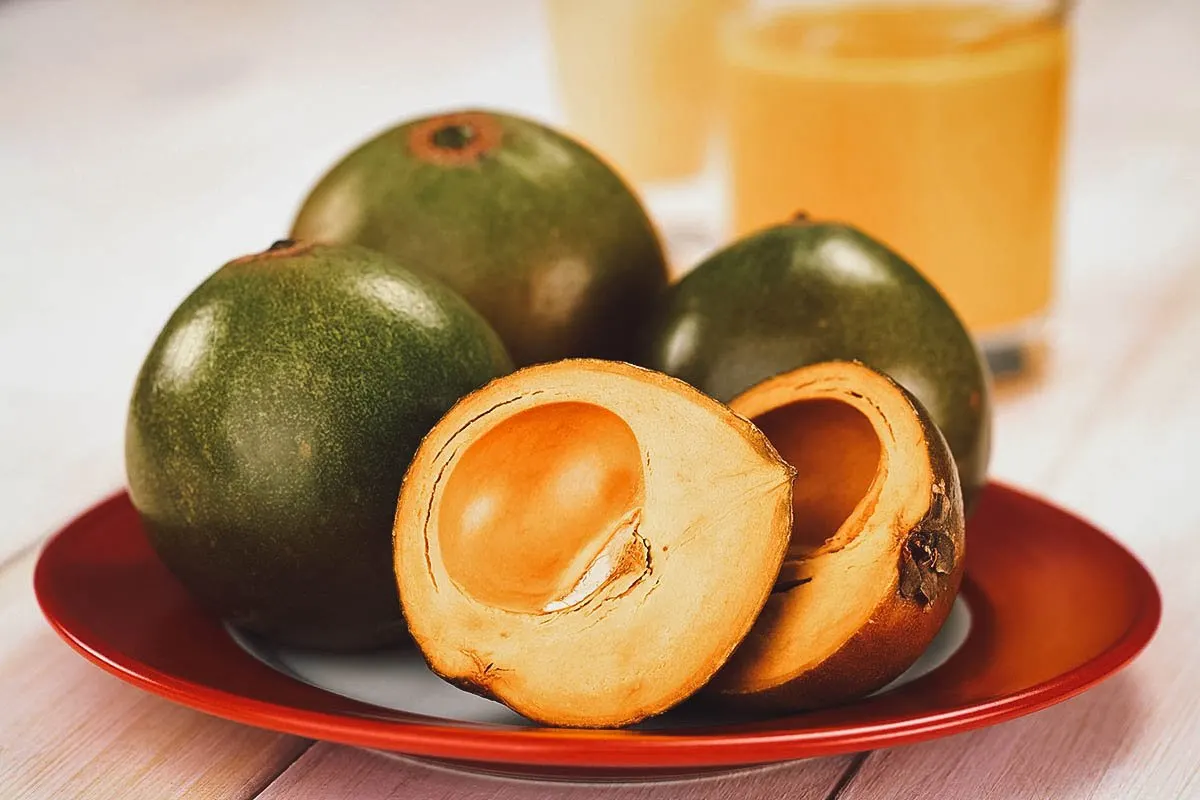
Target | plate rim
(565,747)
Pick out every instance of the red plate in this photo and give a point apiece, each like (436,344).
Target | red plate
(1055,606)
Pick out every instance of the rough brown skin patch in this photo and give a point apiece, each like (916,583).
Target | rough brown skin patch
(455,140)
(281,248)
(928,555)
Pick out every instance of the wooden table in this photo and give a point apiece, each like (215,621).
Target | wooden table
(143,144)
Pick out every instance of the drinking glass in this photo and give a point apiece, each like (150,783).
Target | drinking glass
(935,127)
(637,81)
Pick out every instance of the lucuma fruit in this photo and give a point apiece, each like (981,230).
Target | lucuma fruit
(271,425)
(877,545)
(535,231)
(588,541)
(806,292)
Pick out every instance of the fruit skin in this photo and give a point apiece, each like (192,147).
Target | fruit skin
(270,427)
(807,292)
(535,231)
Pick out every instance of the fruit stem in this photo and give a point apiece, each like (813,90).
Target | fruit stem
(454,137)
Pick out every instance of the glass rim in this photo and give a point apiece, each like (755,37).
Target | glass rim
(737,47)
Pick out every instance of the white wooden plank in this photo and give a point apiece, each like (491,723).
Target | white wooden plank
(328,771)
(69,730)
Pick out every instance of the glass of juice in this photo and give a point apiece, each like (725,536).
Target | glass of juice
(935,127)
(636,79)
(637,82)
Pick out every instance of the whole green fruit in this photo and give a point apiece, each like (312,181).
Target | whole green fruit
(805,292)
(271,425)
(535,231)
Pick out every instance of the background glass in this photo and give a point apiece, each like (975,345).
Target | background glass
(637,80)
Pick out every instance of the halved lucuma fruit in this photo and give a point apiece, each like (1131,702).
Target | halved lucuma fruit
(588,541)
(876,551)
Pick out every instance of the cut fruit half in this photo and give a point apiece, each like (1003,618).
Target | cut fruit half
(876,553)
(588,541)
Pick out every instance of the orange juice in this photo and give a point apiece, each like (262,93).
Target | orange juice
(637,79)
(935,128)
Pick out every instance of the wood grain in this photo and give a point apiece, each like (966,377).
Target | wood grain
(69,730)
(328,771)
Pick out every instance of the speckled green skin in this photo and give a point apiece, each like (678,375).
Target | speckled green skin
(805,292)
(271,425)
(539,235)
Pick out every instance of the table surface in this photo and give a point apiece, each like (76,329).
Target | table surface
(142,144)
